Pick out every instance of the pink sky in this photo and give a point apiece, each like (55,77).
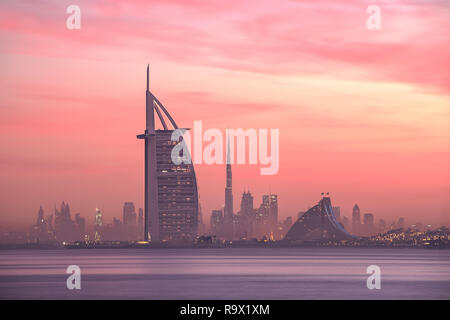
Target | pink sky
(363,114)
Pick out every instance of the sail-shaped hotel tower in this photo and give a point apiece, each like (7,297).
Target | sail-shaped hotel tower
(171,196)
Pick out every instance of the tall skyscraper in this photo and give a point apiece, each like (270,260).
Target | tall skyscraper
(40,218)
(247,204)
(217,223)
(40,232)
(129,214)
(228,212)
(171,197)
(98,224)
(368,223)
(140,223)
(400,223)
(274,211)
(98,218)
(201,225)
(381,226)
(129,229)
(65,229)
(246,216)
(356,219)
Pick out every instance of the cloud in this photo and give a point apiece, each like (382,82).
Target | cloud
(285,37)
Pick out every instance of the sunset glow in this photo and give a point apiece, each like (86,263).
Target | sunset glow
(362,114)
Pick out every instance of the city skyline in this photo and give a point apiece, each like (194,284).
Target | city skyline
(353,121)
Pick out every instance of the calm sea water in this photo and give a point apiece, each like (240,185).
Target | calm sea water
(233,273)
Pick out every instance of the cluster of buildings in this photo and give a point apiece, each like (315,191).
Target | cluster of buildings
(411,238)
(58,226)
(366,226)
(61,227)
(249,222)
(129,229)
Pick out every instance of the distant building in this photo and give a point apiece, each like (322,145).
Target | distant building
(201,225)
(266,219)
(356,219)
(216,223)
(40,218)
(98,225)
(42,230)
(80,225)
(65,227)
(129,214)
(140,223)
(228,212)
(274,210)
(129,222)
(246,215)
(401,223)
(98,218)
(369,227)
(382,226)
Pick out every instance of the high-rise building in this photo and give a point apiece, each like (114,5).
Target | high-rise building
(40,232)
(273,212)
(228,213)
(140,223)
(201,226)
(129,214)
(400,223)
(98,225)
(356,219)
(382,226)
(65,229)
(368,223)
(80,225)
(40,218)
(216,223)
(171,197)
(98,218)
(246,217)
(247,204)
(266,219)
(129,230)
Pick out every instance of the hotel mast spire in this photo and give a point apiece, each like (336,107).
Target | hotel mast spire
(151,212)
(148,67)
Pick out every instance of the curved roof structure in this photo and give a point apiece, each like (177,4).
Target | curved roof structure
(317,224)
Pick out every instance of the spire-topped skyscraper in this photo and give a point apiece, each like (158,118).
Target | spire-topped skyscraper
(228,210)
